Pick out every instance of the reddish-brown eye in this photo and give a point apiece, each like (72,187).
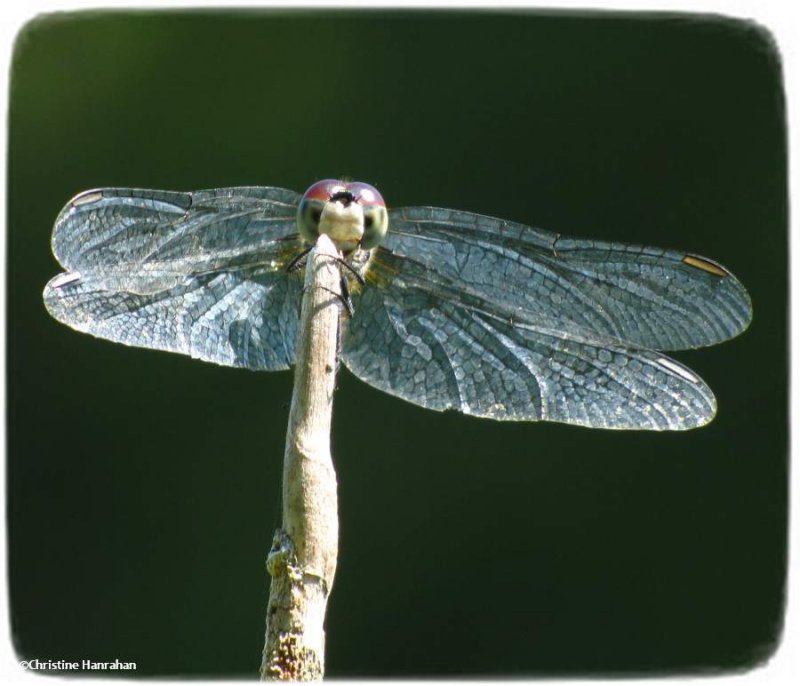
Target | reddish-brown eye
(365,195)
(323,190)
(376,219)
(309,211)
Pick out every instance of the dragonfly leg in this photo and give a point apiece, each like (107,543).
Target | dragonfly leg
(298,260)
(352,270)
(343,297)
(347,301)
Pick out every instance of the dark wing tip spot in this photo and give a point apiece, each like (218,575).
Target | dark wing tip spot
(705,265)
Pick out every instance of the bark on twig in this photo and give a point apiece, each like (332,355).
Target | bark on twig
(302,561)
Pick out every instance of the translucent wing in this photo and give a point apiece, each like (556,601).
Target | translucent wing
(500,320)
(642,296)
(199,273)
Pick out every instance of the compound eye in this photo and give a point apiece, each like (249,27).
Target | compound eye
(311,205)
(376,218)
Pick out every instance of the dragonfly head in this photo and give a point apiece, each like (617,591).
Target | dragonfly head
(352,213)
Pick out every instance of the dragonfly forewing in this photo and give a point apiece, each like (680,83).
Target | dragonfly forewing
(196,273)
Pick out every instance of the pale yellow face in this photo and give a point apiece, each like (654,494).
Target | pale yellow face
(343,223)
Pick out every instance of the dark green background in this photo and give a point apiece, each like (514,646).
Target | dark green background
(142,486)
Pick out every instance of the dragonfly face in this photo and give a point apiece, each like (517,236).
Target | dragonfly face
(353,214)
(458,311)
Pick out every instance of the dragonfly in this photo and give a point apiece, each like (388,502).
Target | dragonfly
(447,309)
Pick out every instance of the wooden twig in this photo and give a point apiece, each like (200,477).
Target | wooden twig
(302,561)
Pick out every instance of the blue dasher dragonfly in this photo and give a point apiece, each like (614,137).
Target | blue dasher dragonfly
(450,310)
